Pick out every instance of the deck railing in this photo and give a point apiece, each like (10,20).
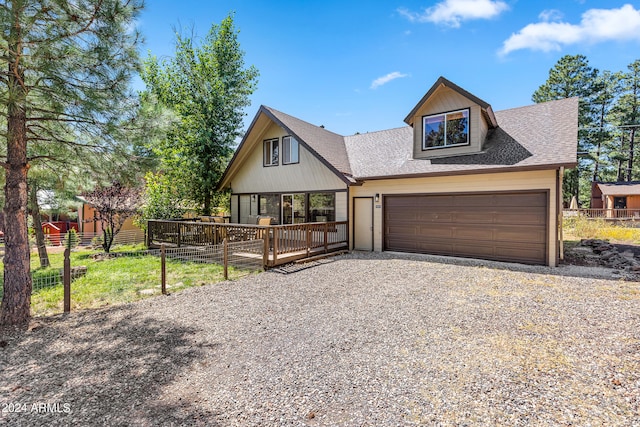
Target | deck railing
(623,214)
(281,241)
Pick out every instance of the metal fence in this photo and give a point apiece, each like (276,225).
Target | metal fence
(168,267)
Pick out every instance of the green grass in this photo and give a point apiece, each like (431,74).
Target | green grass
(576,228)
(118,280)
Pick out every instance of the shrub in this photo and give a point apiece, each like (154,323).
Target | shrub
(71,239)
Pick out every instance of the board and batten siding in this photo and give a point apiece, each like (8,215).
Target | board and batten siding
(310,174)
(445,100)
(493,182)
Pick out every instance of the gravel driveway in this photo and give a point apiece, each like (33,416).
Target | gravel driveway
(358,340)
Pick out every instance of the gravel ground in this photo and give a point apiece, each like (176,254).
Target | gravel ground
(356,340)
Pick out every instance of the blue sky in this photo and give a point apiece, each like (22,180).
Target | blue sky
(361,66)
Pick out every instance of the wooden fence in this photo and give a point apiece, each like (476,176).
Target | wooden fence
(614,214)
(282,243)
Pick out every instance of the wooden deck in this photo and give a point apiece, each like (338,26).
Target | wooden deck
(282,243)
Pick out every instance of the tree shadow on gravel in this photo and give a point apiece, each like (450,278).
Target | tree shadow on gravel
(100,367)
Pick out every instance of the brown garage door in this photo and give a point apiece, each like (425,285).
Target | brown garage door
(497,226)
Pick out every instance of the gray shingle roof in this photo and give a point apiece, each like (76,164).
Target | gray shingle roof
(328,145)
(533,137)
(527,137)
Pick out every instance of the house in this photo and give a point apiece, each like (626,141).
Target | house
(90,226)
(616,195)
(458,179)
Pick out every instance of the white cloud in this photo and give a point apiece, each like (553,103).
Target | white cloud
(550,15)
(386,79)
(597,25)
(453,12)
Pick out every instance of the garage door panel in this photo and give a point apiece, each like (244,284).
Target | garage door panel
(511,234)
(435,232)
(520,218)
(504,226)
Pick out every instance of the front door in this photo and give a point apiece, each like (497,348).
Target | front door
(363,223)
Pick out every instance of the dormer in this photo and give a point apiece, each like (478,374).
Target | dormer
(449,121)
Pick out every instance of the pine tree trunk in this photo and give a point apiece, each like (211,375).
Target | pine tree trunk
(37,228)
(630,163)
(16,301)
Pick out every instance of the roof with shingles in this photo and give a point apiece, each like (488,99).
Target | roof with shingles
(328,145)
(630,188)
(528,137)
(538,136)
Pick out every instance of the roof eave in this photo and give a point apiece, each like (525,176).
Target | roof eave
(224,180)
(324,161)
(554,166)
(444,82)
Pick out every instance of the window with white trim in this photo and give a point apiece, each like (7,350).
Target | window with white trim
(445,130)
(290,152)
(271,154)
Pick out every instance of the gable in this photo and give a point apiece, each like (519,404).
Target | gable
(334,161)
(445,100)
(248,173)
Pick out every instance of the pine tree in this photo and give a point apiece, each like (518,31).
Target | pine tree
(65,69)
(572,76)
(627,115)
(606,90)
(207,87)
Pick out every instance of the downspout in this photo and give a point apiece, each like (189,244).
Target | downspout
(560,209)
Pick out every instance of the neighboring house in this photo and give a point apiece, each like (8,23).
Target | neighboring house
(89,224)
(615,195)
(459,179)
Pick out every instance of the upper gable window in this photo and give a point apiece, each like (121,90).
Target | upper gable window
(271,153)
(445,130)
(289,150)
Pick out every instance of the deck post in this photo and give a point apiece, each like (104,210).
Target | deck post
(147,235)
(178,237)
(326,237)
(275,246)
(308,227)
(265,252)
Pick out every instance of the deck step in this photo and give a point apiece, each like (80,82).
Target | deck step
(321,256)
(303,264)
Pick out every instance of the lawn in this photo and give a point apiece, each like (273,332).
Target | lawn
(115,280)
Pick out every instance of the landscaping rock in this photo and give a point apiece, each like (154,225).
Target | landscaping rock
(603,253)
(78,271)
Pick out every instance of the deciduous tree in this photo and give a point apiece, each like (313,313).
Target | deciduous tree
(114,205)
(207,87)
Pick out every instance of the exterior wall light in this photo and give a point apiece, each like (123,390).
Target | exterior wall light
(377,197)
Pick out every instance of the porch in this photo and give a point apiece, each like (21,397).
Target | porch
(282,243)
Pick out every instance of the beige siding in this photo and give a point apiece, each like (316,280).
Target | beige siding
(484,129)
(245,206)
(234,209)
(511,181)
(310,174)
(341,206)
(442,101)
